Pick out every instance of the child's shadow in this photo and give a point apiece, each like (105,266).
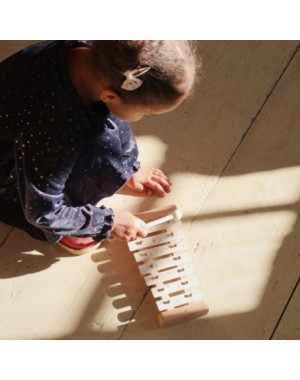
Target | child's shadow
(34,255)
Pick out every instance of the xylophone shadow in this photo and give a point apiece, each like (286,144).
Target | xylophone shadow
(163,260)
(122,282)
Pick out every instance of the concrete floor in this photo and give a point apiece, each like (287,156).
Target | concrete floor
(233,154)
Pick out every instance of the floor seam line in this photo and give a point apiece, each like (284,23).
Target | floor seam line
(134,313)
(284,309)
(247,130)
(6,237)
(260,109)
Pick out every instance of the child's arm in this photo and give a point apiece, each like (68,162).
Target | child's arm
(45,160)
(150,180)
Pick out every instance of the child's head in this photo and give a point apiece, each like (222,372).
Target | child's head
(148,74)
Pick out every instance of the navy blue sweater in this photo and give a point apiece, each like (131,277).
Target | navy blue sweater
(58,157)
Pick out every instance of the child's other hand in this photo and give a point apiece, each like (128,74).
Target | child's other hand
(128,227)
(149,180)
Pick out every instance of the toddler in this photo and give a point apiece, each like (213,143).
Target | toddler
(65,137)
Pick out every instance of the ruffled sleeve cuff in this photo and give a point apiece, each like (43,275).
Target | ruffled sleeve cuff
(107,224)
(136,166)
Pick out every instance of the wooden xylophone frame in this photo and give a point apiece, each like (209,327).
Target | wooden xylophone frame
(173,286)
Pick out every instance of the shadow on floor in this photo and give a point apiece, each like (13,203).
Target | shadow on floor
(129,295)
(35,256)
(199,128)
(116,268)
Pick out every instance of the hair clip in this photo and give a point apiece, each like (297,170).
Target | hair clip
(132,82)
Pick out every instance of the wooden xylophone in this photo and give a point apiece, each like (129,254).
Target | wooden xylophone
(166,265)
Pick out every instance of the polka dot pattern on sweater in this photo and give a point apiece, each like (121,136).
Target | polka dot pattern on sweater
(60,156)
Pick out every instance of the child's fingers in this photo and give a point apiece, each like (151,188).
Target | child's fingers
(139,228)
(161,174)
(142,232)
(157,187)
(137,186)
(128,227)
(164,182)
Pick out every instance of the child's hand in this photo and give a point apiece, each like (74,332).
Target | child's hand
(149,180)
(128,227)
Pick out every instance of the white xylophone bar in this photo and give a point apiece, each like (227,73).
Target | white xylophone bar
(168,225)
(165,249)
(155,240)
(157,265)
(169,274)
(183,284)
(159,221)
(178,301)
